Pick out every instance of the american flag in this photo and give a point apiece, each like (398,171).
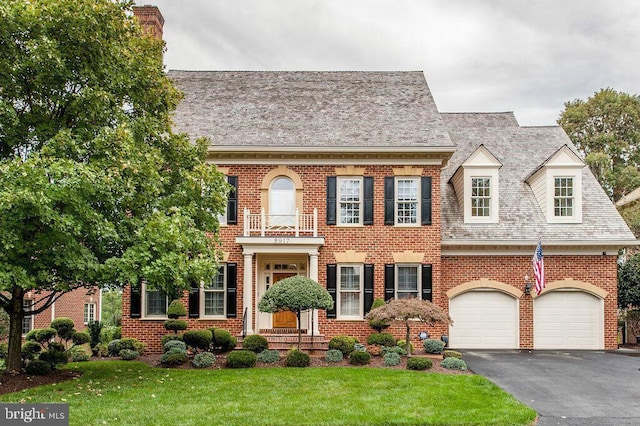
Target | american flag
(538,267)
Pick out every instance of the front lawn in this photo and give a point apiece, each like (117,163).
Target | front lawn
(121,392)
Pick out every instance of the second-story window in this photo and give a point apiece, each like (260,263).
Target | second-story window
(481,197)
(282,202)
(407,201)
(563,197)
(350,201)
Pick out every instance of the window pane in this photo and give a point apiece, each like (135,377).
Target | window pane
(27,322)
(349,200)
(407,285)
(407,201)
(156,303)
(213,302)
(481,197)
(349,278)
(563,197)
(349,304)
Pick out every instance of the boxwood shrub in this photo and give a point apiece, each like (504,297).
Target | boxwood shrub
(433,346)
(242,359)
(174,344)
(403,344)
(345,344)
(174,357)
(175,325)
(382,339)
(419,363)
(129,354)
(451,354)
(269,356)
(394,349)
(222,340)
(297,358)
(391,359)
(109,333)
(198,339)
(53,357)
(38,368)
(30,349)
(203,360)
(334,355)
(255,343)
(359,358)
(78,354)
(169,337)
(453,363)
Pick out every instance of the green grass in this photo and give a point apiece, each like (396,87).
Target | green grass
(119,392)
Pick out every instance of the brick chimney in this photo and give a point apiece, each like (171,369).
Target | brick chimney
(150,19)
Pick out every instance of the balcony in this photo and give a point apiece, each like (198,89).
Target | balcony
(266,225)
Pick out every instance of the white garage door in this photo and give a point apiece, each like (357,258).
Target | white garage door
(568,320)
(483,320)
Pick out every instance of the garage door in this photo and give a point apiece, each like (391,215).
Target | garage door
(483,320)
(568,320)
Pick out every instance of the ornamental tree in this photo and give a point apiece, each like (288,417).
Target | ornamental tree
(295,294)
(95,189)
(408,311)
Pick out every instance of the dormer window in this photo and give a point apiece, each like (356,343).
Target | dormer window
(557,186)
(477,187)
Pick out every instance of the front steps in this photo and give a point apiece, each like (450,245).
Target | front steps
(283,340)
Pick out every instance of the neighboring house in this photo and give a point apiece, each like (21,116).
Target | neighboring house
(81,305)
(356,180)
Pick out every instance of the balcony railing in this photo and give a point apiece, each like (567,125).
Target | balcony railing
(280,224)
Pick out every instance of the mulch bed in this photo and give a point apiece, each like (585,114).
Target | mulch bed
(12,382)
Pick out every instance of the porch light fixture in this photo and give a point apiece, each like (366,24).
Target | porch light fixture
(527,285)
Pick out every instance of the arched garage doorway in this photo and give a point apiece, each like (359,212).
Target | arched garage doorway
(485,315)
(569,314)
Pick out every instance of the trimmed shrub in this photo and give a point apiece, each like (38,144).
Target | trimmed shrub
(64,327)
(360,358)
(31,336)
(451,354)
(56,346)
(222,340)
(54,357)
(78,354)
(108,334)
(176,310)
(374,350)
(175,325)
(391,359)
(359,347)
(255,343)
(297,358)
(394,349)
(269,356)
(433,346)
(381,339)
(38,368)
(131,343)
(129,354)
(419,363)
(334,355)
(30,349)
(198,339)
(403,344)
(345,344)
(174,357)
(168,337)
(203,360)
(44,335)
(174,344)
(94,328)
(100,350)
(453,363)
(4,348)
(378,325)
(114,347)
(80,338)
(242,359)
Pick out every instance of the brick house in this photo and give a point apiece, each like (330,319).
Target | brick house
(356,180)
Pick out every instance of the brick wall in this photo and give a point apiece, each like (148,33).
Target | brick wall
(70,305)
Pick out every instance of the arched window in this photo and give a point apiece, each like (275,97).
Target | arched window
(282,202)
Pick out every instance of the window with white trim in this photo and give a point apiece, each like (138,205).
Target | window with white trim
(155,303)
(27,321)
(350,291)
(213,300)
(481,196)
(89,312)
(407,201)
(563,196)
(407,281)
(349,201)
(282,202)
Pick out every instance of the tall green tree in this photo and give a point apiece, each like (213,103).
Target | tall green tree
(606,130)
(95,189)
(629,283)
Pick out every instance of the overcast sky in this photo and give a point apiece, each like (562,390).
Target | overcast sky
(526,56)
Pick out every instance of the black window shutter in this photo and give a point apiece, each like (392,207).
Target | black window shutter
(332,271)
(389,200)
(389,281)
(232,286)
(232,201)
(194,301)
(427,282)
(331,200)
(368,287)
(135,302)
(368,200)
(426,200)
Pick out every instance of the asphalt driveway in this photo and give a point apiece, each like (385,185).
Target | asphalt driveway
(567,387)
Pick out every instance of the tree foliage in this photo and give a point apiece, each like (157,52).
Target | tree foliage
(629,283)
(606,130)
(95,189)
(409,310)
(295,294)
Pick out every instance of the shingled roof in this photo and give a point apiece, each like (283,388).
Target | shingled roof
(309,109)
(521,150)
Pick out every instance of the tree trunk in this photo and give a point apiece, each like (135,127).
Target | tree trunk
(408,340)
(14,356)
(299,329)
